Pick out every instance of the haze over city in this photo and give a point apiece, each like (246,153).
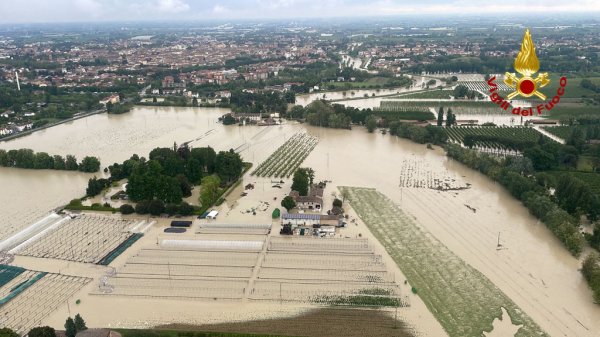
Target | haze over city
(27,11)
(345,168)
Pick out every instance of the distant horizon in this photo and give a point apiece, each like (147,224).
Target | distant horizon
(107,11)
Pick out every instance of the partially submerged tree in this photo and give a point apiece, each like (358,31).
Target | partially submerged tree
(71,329)
(80,323)
(301,181)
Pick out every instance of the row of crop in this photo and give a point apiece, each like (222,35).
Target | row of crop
(288,157)
(484,87)
(290,161)
(493,137)
(279,153)
(360,301)
(563,131)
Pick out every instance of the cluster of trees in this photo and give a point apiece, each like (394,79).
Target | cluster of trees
(591,271)
(321,113)
(337,116)
(26,158)
(450,117)
(587,84)
(72,326)
(547,155)
(462,91)
(95,186)
(576,197)
(118,108)
(169,175)
(418,134)
(261,102)
(515,175)
(303,178)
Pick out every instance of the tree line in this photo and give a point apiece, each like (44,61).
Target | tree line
(337,116)
(28,159)
(72,327)
(418,134)
(591,272)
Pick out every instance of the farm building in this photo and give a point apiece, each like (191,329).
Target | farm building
(314,199)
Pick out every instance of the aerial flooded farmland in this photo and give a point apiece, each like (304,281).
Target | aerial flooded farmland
(221,173)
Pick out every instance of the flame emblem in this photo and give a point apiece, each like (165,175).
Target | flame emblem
(526,64)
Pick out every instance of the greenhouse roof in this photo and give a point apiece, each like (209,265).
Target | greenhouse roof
(301,216)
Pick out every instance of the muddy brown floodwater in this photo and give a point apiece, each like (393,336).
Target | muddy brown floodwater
(530,265)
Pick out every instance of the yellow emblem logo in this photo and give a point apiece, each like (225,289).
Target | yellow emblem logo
(526,64)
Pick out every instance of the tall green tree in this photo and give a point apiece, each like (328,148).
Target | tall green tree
(300,182)
(440,116)
(71,163)
(371,123)
(209,190)
(450,118)
(71,329)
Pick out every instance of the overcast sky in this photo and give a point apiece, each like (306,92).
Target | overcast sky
(23,11)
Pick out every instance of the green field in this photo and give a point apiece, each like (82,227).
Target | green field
(519,133)
(461,298)
(560,131)
(565,111)
(573,88)
(592,179)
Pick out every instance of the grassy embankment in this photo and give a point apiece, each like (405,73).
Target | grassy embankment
(462,299)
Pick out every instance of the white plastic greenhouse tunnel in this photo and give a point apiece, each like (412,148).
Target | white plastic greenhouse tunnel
(213,244)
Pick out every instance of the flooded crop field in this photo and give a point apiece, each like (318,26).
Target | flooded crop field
(487,240)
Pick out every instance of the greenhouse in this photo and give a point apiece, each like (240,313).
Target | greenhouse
(213,244)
